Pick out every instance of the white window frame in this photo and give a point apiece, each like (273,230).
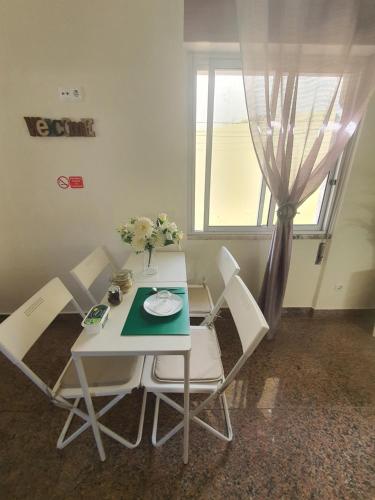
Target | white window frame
(210,63)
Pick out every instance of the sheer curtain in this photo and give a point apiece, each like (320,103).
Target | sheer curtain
(308,68)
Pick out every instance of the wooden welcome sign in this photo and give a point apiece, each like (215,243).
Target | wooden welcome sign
(65,127)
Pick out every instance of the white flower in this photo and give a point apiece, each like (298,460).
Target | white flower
(167,226)
(179,235)
(143,226)
(159,239)
(142,232)
(138,243)
(137,235)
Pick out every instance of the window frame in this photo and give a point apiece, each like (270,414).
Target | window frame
(210,63)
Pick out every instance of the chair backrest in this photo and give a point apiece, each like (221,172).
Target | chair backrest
(87,271)
(250,323)
(23,328)
(228,268)
(227,265)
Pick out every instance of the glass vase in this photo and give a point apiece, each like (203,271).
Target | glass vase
(149,262)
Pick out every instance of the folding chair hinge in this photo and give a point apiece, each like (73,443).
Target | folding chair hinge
(210,320)
(50,394)
(60,403)
(220,390)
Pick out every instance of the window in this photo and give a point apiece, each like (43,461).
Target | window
(229,194)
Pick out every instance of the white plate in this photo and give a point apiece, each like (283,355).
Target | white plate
(174,301)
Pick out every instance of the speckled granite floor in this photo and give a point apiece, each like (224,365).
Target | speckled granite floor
(303,413)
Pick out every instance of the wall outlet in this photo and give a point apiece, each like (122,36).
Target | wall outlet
(71,94)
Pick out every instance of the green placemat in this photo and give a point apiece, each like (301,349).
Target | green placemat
(139,322)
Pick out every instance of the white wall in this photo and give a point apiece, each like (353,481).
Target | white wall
(351,257)
(252,256)
(128,56)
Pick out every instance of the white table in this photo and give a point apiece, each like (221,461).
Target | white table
(110,343)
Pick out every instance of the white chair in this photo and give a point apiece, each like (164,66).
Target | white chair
(164,374)
(200,299)
(107,376)
(87,271)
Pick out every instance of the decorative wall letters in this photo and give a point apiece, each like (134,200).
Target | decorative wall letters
(65,127)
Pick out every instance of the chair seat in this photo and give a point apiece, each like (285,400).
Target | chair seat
(101,371)
(199,300)
(205,360)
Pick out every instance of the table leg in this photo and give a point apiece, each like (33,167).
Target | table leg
(89,405)
(186,405)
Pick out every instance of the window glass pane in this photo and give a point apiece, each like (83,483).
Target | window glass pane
(200,147)
(235,175)
(275,213)
(236,180)
(309,211)
(266,207)
(314,97)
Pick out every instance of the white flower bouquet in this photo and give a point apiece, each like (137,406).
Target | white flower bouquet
(145,235)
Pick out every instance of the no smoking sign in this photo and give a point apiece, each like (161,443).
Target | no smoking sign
(74,182)
(63,182)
